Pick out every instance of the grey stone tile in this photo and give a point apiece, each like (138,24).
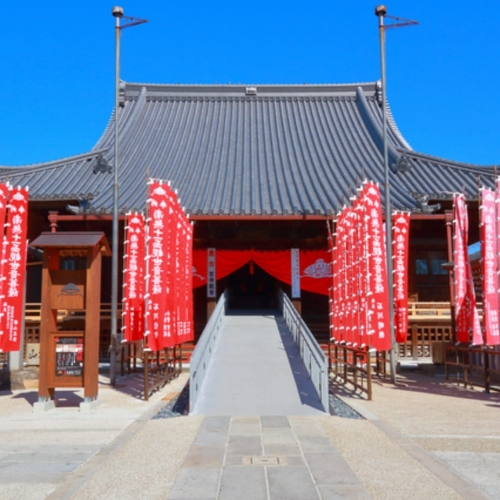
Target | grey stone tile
(195,483)
(244,445)
(245,483)
(315,444)
(330,468)
(31,478)
(278,436)
(213,432)
(245,421)
(291,483)
(40,466)
(50,457)
(274,421)
(294,460)
(204,456)
(216,424)
(282,449)
(306,426)
(342,491)
(235,459)
(245,426)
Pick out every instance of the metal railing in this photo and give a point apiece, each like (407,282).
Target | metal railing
(311,353)
(202,353)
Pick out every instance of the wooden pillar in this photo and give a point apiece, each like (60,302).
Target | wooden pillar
(211,303)
(297,303)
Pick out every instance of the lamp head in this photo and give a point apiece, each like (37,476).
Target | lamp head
(380,10)
(117,11)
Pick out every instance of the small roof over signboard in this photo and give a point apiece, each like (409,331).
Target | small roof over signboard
(73,240)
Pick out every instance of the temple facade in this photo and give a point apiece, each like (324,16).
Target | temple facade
(258,168)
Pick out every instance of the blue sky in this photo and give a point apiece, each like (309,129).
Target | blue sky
(57,64)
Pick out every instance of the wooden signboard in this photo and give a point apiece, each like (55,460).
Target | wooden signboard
(70,358)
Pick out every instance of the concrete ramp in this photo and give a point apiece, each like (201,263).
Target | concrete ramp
(256,369)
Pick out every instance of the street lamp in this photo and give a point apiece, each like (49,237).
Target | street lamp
(127,22)
(381,13)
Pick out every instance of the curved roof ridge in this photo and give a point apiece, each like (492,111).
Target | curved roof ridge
(241,84)
(240,90)
(471,167)
(392,123)
(107,130)
(61,162)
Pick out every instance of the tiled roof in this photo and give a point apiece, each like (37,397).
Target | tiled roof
(247,150)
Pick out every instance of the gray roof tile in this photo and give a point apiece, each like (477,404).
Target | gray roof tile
(290,149)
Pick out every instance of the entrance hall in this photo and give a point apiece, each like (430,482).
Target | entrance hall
(250,287)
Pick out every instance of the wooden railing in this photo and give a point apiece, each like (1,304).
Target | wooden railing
(473,366)
(352,365)
(429,328)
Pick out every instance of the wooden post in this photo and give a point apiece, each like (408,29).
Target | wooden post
(211,304)
(414,341)
(297,303)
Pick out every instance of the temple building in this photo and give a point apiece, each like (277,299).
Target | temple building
(261,169)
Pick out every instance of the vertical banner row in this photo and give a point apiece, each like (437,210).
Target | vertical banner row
(359,296)
(169,277)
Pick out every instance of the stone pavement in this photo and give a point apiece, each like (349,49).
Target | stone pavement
(423,438)
(257,458)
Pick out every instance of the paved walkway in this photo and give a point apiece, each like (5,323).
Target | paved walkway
(256,369)
(423,438)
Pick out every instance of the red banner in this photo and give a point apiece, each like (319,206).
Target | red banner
(173,251)
(339,282)
(14,270)
(360,209)
(460,268)
(133,280)
(378,297)
(157,265)
(466,314)
(489,267)
(400,246)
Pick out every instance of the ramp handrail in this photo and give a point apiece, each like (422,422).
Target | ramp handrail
(311,353)
(200,358)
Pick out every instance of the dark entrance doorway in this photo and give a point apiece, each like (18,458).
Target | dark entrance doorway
(250,287)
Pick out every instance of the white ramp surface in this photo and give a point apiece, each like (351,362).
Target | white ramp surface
(256,369)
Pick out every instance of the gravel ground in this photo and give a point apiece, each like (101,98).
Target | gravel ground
(178,407)
(340,409)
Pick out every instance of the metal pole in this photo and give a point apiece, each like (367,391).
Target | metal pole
(380,12)
(118,14)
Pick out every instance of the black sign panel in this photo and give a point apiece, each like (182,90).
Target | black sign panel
(69,356)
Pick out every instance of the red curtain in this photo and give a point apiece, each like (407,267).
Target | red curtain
(278,264)
(199,268)
(315,266)
(228,261)
(315,271)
